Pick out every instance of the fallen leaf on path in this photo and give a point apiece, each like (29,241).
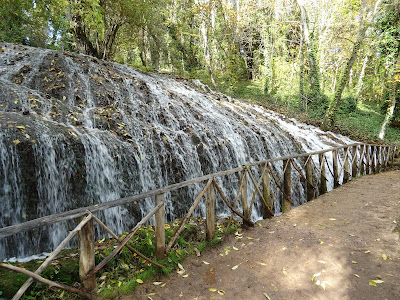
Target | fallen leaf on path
(235,267)
(261,263)
(221,292)
(284,272)
(234,248)
(353,262)
(332,219)
(321,241)
(180,266)
(212,290)
(250,238)
(385,257)
(358,276)
(266,296)
(367,251)
(186,275)
(374,282)
(157,282)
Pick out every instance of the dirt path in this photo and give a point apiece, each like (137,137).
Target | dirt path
(341,241)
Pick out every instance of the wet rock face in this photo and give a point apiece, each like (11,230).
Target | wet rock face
(76,131)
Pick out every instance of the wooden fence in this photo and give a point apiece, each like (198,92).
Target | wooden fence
(309,169)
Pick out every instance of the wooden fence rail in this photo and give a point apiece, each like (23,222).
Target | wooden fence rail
(275,194)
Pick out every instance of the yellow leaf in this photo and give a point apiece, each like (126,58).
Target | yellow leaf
(235,267)
(260,263)
(180,266)
(16,142)
(384,257)
(221,292)
(266,296)
(139,281)
(20,127)
(186,275)
(332,219)
(16,101)
(367,251)
(119,283)
(206,263)
(157,283)
(234,248)
(353,262)
(358,276)
(212,290)
(321,241)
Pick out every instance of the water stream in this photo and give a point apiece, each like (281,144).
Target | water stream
(77,131)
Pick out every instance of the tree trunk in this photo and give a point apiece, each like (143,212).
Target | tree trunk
(328,120)
(310,45)
(361,78)
(393,96)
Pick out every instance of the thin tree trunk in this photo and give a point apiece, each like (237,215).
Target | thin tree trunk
(314,69)
(361,78)
(392,105)
(328,120)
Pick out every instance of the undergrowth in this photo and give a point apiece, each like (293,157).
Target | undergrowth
(124,272)
(361,122)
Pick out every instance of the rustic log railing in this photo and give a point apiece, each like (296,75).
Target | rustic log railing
(310,170)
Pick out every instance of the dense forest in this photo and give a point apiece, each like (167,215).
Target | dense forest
(333,61)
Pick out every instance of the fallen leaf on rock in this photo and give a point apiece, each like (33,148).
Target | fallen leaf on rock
(16,142)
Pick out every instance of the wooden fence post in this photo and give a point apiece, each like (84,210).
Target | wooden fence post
(210,212)
(367,160)
(266,193)
(354,166)
(323,188)
(378,156)
(346,172)
(245,204)
(159,227)
(373,159)
(287,186)
(362,155)
(309,177)
(86,255)
(335,169)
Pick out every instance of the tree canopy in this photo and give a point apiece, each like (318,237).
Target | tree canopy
(321,54)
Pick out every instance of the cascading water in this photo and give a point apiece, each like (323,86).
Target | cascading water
(76,131)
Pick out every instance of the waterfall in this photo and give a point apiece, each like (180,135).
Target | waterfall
(76,131)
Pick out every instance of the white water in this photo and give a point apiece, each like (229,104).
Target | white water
(111,132)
